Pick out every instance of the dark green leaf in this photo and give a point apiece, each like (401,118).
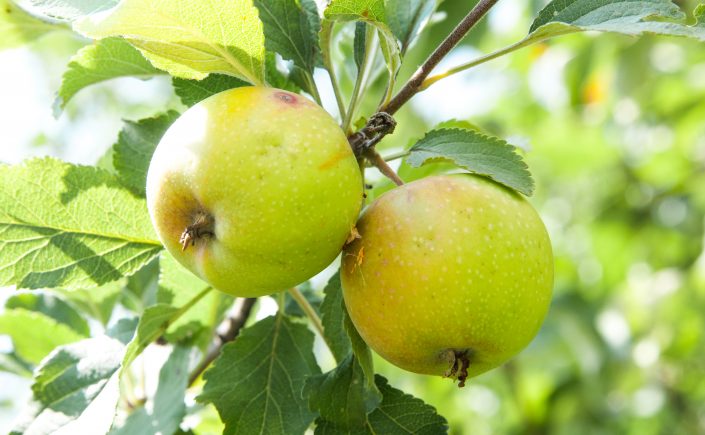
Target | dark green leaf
(631,17)
(333,318)
(362,353)
(50,306)
(192,91)
(292,308)
(342,396)
(89,230)
(359,43)
(280,79)
(291,30)
(256,381)
(135,146)
(398,413)
(103,60)
(475,152)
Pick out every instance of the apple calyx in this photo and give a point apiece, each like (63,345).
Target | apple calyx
(459,363)
(202,226)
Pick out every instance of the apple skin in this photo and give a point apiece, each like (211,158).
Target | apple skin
(445,264)
(277,176)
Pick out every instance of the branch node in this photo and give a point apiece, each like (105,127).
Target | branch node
(378,126)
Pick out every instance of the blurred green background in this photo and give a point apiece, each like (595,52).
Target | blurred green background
(613,130)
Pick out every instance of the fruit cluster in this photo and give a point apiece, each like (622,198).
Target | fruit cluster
(256,190)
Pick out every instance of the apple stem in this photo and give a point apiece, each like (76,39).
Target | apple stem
(378,126)
(459,365)
(202,226)
(377,161)
(464,364)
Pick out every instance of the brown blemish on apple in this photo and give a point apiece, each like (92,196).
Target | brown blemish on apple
(286,98)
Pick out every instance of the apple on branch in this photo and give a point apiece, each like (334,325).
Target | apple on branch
(254,190)
(452,275)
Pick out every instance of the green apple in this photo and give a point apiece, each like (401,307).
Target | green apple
(452,275)
(254,190)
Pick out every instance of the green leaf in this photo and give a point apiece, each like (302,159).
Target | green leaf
(50,306)
(349,10)
(18,27)
(97,302)
(135,146)
(142,286)
(177,286)
(192,91)
(168,407)
(359,43)
(70,380)
(34,334)
(333,318)
(291,30)
(103,60)
(406,18)
(345,395)
(124,330)
(361,351)
(475,152)
(292,308)
(372,12)
(70,9)
(287,80)
(398,413)
(188,38)
(88,231)
(256,381)
(154,322)
(11,363)
(630,17)
(342,396)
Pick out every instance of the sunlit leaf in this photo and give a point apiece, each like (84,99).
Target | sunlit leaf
(29,333)
(76,389)
(103,60)
(188,38)
(63,225)
(18,27)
